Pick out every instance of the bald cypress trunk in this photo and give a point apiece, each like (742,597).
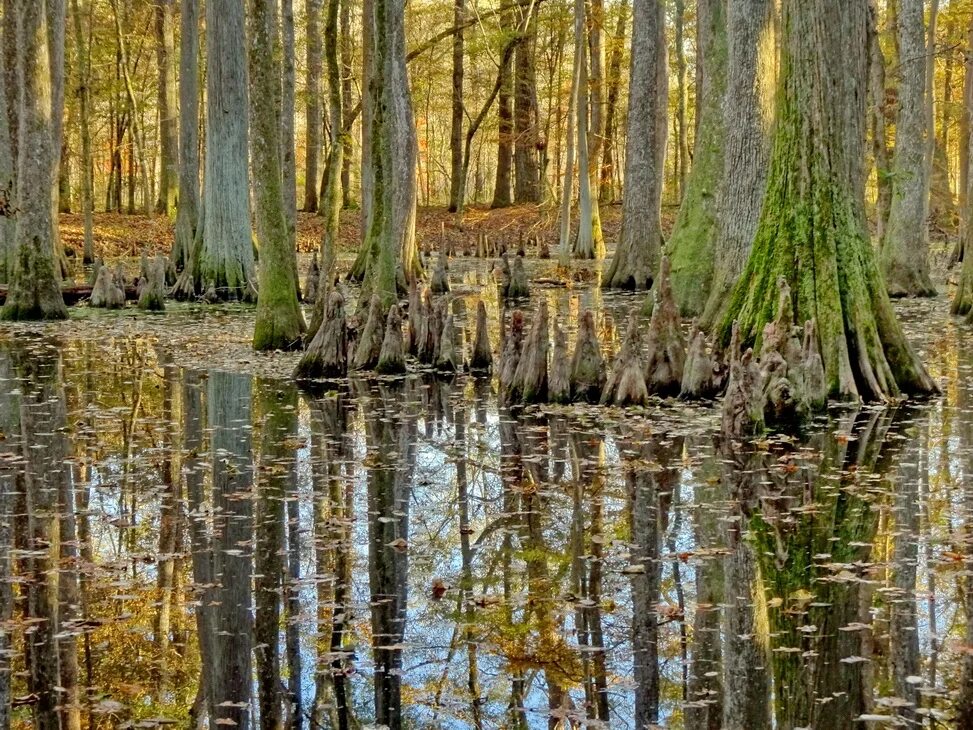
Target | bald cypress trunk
(312,110)
(607,174)
(637,254)
(280,322)
(905,249)
(812,228)
(691,245)
(505,133)
(747,114)
(35,291)
(187,214)
(168,124)
(391,255)
(877,113)
(527,169)
(82,57)
(226,263)
(288,161)
(456,182)
(8,160)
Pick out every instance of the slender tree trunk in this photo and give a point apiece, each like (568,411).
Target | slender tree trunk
(682,97)
(607,192)
(878,109)
(589,243)
(964,131)
(226,264)
(136,132)
(505,133)
(813,235)
(567,186)
(287,113)
(313,114)
(82,49)
(168,121)
(456,182)
(905,249)
(639,248)
(348,113)
(187,214)
(35,291)
(280,322)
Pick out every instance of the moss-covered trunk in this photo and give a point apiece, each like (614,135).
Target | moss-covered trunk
(35,290)
(812,229)
(280,322)
(390,251)
(690,247)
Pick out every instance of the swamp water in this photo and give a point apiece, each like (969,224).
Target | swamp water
(408,552)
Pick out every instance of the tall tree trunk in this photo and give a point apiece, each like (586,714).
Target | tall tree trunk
(964,130)
(813,234)
(456,182)
(905,249)
(313,115)
(165,38)
(348,113)
(639,247)
(606,186)
(9,120)
(187,215)
(567,185)
(331,194)
(35,291)
(682,101)
(747,115)
(505,133)
(390,245)
(82,49)
(280,322)
(527,181)
(589,243)
(287,113)
(226,265)
(691,247)
(878,109)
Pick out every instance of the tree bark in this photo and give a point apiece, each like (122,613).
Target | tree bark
(226,264)
(168,121)
(313,114)
(82,49)
(639,247)
(280,322)
(606,187)
(9,119)
(288,160)
(878,109)
(456,182)
(505,138)
(348,112)
(187,213)
(682,99)
(392,256)
(527,180)
(589,243)
(905,249)
(812,227)
(691,247)
(136,131)
(747,117)
(964,127)
(35,291)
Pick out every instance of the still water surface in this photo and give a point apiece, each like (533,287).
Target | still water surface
(408,552)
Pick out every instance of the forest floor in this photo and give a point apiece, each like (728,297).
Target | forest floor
(121,235)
